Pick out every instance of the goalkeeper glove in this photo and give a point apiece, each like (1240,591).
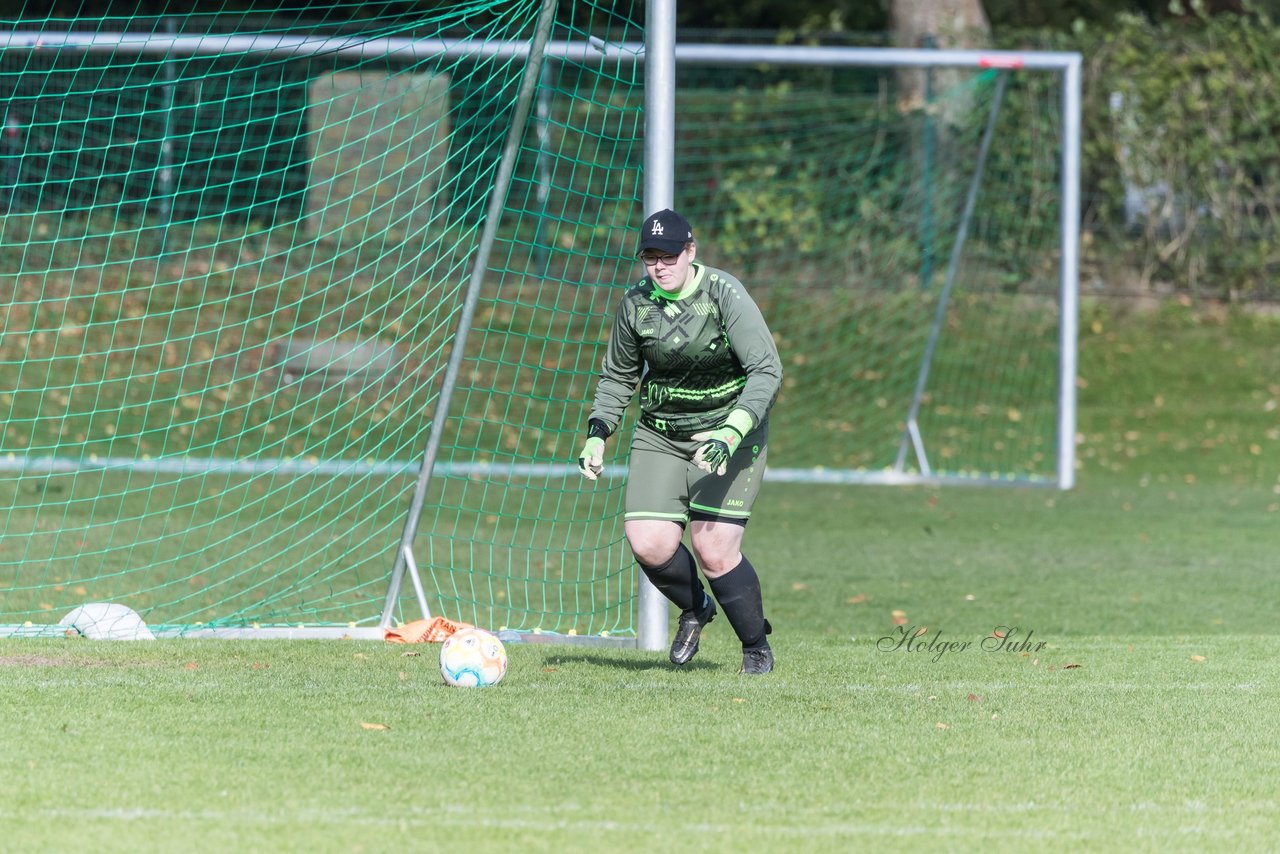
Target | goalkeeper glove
(718,445)
(591,459)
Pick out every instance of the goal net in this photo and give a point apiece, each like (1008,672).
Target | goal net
(304,315)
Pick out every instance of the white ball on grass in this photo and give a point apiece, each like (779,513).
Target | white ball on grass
(472,658)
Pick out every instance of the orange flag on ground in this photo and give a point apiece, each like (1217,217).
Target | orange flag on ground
(434,630)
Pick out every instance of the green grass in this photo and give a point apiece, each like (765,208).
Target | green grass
(1141,746)
(1146,722)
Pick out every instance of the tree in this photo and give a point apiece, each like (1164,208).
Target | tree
(955,23)
(934,23)
(856,16)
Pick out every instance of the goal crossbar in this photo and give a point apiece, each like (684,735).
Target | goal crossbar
(589,51)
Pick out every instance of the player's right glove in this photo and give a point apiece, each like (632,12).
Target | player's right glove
(712,456)
(591,459)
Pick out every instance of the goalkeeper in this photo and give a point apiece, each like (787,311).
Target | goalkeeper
(694,342)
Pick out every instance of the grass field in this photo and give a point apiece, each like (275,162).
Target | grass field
(1140,714)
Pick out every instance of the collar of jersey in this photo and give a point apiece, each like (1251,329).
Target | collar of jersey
(698,271)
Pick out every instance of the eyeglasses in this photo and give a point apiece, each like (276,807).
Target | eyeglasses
(650,259)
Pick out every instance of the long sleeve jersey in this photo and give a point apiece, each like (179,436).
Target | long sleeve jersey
(695,358)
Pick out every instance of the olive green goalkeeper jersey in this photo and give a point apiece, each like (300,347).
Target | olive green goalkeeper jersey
(696,357)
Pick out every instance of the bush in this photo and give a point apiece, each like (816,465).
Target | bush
(1180,148)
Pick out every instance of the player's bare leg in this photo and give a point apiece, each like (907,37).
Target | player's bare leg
(666,562)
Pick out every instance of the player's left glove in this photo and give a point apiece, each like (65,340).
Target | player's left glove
(718,445)
(591,457)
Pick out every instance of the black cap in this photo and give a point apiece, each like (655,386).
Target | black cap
(665,231)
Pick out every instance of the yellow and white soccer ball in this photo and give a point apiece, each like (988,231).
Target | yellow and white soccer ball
(472,658)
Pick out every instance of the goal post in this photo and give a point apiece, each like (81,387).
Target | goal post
(304,323)
(457,347)
(1050,271)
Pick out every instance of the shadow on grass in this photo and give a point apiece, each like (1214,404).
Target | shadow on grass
(630,663)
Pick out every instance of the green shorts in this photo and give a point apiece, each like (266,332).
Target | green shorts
(663,482)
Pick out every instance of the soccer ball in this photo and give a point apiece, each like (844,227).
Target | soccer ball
(472,658)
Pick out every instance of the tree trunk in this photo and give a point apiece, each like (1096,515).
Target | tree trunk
(957,24)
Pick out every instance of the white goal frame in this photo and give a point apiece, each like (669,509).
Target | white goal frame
(662,58)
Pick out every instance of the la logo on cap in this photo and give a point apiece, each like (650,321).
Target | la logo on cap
(657,227)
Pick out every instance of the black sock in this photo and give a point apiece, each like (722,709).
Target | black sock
(738,592)
(677,579)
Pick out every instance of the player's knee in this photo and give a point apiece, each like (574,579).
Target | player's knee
(652,550)
(652,554)
(653,543)
(716,555)
(717,563)
(717,547)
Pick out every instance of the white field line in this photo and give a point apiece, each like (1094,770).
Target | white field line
(808,825)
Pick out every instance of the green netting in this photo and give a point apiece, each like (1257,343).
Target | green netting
(236,253)
(843,210)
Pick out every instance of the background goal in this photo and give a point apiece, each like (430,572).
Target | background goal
(260,271)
